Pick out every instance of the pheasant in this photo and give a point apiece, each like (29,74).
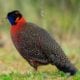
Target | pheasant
(36,45)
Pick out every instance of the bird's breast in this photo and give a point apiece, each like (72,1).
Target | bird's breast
(22,39)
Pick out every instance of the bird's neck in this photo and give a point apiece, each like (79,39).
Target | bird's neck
(19,22)
(18,26)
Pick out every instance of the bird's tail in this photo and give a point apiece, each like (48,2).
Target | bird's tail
(67,68)
(63,64)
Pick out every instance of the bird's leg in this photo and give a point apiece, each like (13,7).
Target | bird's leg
(33,64)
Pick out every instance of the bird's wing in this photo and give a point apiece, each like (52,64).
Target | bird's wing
(47,46)
(55,54)
(51,48)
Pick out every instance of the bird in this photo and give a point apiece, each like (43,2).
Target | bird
(36,45)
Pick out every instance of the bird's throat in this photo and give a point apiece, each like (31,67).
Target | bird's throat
(21,21)
(18,26)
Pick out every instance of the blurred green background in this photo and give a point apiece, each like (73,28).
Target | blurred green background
(61,18)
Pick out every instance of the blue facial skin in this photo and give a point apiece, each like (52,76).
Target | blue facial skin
(11,19)
(13,15)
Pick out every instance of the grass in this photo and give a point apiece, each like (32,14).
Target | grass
(39,76)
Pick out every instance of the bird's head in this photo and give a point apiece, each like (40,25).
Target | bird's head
(14,17)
